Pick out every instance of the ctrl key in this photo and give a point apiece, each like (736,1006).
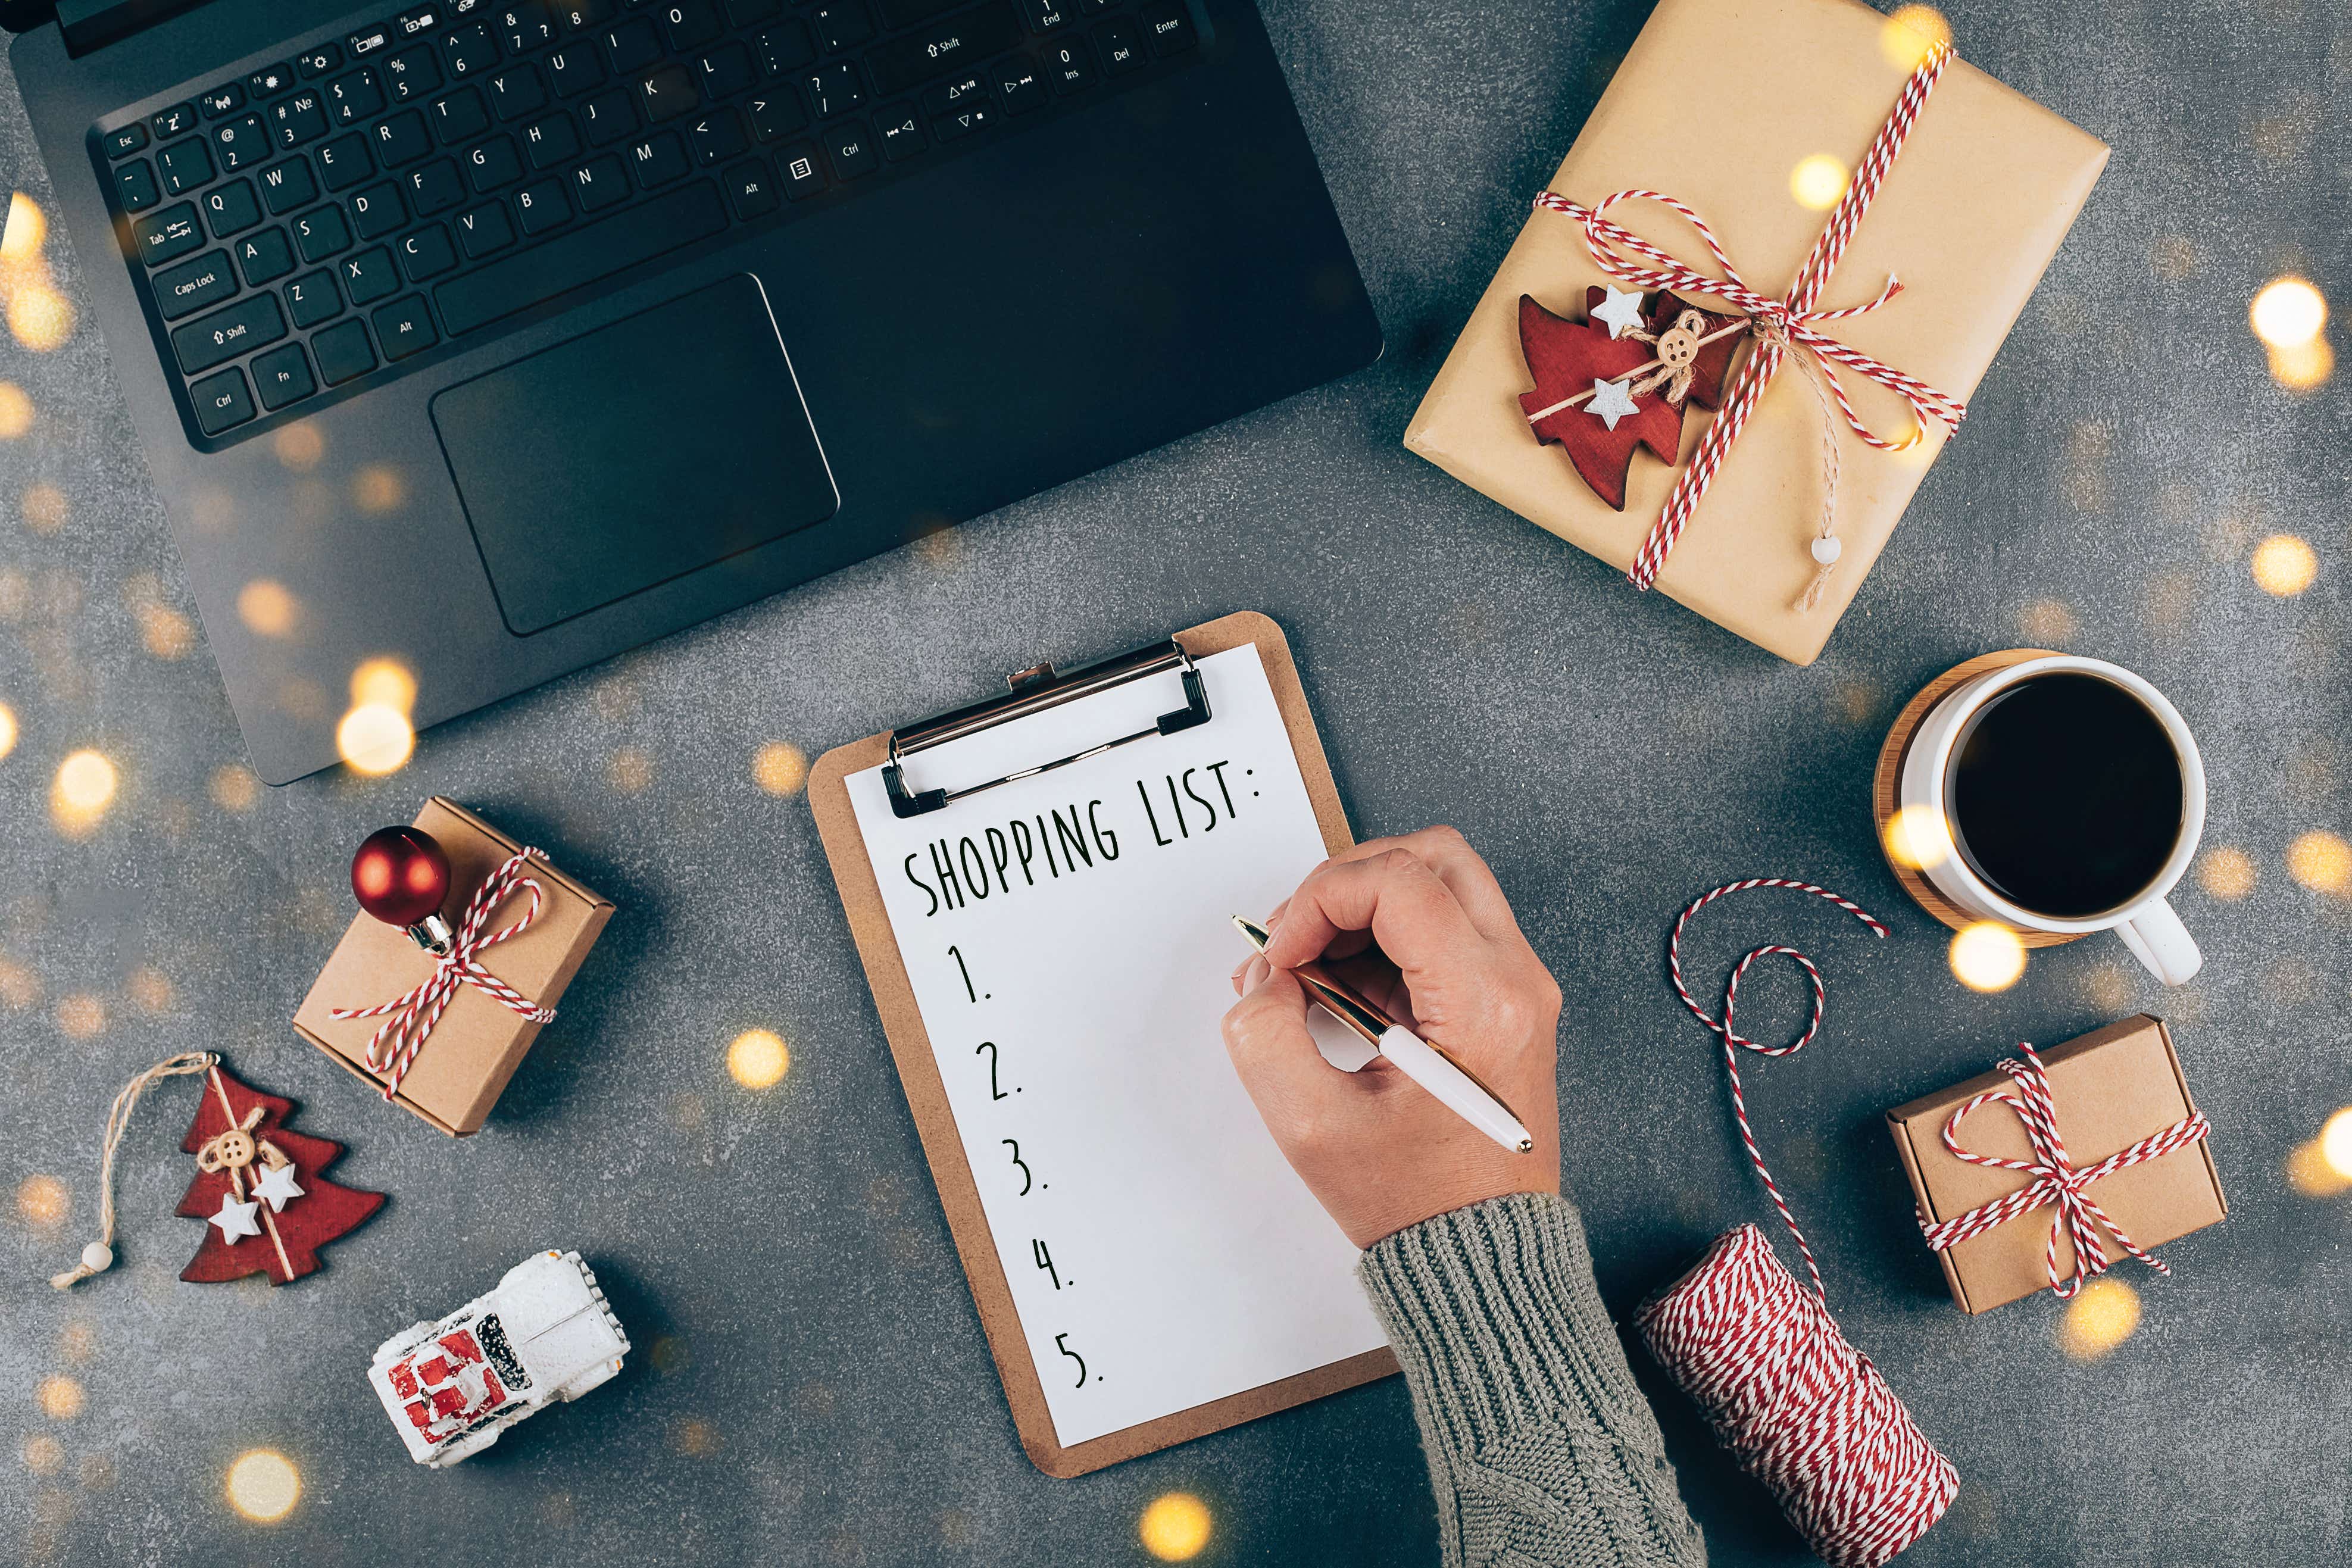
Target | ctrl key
(222,401)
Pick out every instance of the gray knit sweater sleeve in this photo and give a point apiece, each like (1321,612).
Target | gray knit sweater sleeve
(1542,1451)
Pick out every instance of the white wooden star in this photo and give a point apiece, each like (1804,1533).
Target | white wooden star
(235,1218)
(1622,309)
(1610,402)
(277,1185)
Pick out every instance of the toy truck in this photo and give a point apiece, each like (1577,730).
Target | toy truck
(544,1334)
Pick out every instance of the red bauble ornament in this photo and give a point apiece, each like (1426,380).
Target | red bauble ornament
(401,876)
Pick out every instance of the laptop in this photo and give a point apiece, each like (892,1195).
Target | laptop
(495,339)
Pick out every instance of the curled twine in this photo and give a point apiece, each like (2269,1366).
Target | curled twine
(1783,329)
(2056,1180)
(1800,1409)
(98,1256)
(416,1011)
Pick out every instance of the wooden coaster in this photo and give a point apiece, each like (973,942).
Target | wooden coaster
(1886,786)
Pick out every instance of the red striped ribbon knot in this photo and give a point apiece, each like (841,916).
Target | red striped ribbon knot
(2055,1179)
(1780,325)
(413,1013)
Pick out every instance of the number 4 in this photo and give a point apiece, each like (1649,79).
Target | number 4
(1045,1261)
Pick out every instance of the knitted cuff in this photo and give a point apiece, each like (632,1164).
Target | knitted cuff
(1495,1319)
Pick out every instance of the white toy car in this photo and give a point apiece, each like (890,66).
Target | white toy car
(545,1333)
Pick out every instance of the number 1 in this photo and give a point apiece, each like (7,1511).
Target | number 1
(957,953)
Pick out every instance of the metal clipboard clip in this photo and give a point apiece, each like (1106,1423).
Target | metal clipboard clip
(1032,691)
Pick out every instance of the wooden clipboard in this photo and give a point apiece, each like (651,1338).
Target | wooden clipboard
(894,997)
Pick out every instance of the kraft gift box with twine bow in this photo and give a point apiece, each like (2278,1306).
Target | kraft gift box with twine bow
(1715,108)
(467,1042)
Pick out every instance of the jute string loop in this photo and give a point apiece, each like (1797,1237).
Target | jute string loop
(118,1119)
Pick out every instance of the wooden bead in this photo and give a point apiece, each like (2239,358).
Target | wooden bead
(98,1257)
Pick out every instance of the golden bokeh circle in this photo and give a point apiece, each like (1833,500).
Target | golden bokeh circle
(2288,312)
(375,737)
(384,680)
(8,729)
(1175,1527)
(780,768)
(43,1454)
(1986,956)
(27,227)
(2285,565)
(263,1485)
(266,608)
(2102,1316)
(2335,1142)
(61,1397)
(43,1202)
(758,1059)
(46,507)
(1917,837)
(1817,182)
(1909,32)
(2227,873)
(15,411)
(81,1016)
(2320,861)
(234,788)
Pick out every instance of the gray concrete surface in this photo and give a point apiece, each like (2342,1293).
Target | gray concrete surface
(811,1386)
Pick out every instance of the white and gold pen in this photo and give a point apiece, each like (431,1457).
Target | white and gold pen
(1412,1055)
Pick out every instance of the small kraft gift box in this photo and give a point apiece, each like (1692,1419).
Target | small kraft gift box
(441,1035)
(1713,276)
(2058,1163)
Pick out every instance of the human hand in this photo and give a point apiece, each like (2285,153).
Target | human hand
(1418,925)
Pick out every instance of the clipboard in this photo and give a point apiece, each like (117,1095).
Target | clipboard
(1031,692)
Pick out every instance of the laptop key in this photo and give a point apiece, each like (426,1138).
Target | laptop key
(434,188)
(599,183)
(751,13)
(269,81)
(834,90)
(459,117)
(942,96)
(369,276)
(241,141)
(353,97)
(230,207)
(633,45)
(427,253)
(299,119)
(412,74)
(312,299)
(377,211)
(124,143)
(595,250)
(775,115)
(321,234)
(1046,15)
(224,334)
(483,230)
(962,122)
(344,353)
(227,98)
(1121,46)
(316,63)
(184,289)
(901,137)
(689,24)
(668,93)
(657,159)
(574,69)
(751,189)
(526,27)
(492,164)
(184,165)
(716,136)
(134,185)
(849,147)
(265,256)
(287,184)
(469,50)
(283,377)
(841,25)
(1169,27)
(609,116)
(517,92)
(1070,65)
(221,402)
(168,234)
(581,16)
(726,71)
(945,46)
(797,166)
(785,47)
(542,207)
(176,120)
(551,142)
(1019,84)
(401,139)
(345,162)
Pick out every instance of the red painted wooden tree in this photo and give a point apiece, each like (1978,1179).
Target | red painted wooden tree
(1567,357)
(267,1205)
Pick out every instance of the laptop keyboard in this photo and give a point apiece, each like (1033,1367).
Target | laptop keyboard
(312,227)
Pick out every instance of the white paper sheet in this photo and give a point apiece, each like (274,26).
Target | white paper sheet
(1161,1253)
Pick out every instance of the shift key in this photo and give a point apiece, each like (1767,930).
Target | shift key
(224,334)
(948,44)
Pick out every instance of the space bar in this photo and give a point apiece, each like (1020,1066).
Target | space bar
(581,256)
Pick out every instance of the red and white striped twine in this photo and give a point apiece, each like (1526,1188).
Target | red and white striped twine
(1800,1409)
(415,1011)
(2056,1180)
(1781,325)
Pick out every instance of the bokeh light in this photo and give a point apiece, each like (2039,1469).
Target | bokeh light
(2226,873)
(163,631)
(2285,565)
(2335,1142)
(46,507)
(2047,623)
(22,235)
(694,1438)
(375,488)
(780,768)
(234,788)
(2320,861)
(42,1202)
(2102,1316)
(15,411)
(81,1014)
(1917,837)
(2303,366)
(299,447)
(263,1485)
(384,680)
(151,989)
(1175,1527)
(758,1059)
(61,1397)
(43,1454)
(1909,32)
(266,608)
(375,737)
(2288,312)
(630,769)
(8,729)
(83,789)
(41,317)
(2310,1172)
(1986,956)
(1817,182)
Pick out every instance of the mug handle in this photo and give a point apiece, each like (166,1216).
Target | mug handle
(2158,939)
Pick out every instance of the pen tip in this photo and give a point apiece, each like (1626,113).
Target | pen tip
(1251,929)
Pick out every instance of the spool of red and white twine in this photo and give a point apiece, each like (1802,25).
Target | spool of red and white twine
(1803,1410)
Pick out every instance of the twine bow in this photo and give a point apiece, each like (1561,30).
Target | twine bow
(1783,328)
(2056,1180)
(415,1011)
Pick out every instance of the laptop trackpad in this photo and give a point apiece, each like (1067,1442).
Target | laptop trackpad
(635,454)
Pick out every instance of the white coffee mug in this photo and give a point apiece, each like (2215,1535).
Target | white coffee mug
(2147,923)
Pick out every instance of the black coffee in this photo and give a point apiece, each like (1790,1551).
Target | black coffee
(2065,795)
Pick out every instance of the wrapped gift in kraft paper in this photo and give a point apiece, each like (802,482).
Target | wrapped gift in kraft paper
(1790,471)
(441,1035)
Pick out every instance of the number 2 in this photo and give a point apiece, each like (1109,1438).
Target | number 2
(1045,1261)
(1026,1178)
(990,1047)
(1060,1344)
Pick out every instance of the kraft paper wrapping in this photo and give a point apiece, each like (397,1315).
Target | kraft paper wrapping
(1716,103)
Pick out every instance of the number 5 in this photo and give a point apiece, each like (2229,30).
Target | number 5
(1060,1344)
